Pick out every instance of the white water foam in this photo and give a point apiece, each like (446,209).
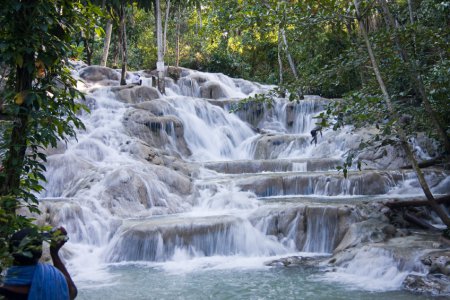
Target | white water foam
(372,269)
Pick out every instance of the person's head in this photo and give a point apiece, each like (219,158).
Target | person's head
(26,246)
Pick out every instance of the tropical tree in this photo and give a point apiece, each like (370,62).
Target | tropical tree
(395,118)
(38,100)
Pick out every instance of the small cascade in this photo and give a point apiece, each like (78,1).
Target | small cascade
(212,134)
(300,116)
(175,179)
(159,239)
(372,269)
(322,230)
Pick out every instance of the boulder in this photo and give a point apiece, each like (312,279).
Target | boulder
(98,73)
(157,107)
(245,86)
(295,261)
(314,228)
(431,284)
(77,64)
(270,146)
(212,90)
(144,239)
(135,94)
(371,230)
(127,192)
(163,132)
(438,261)
(174,72)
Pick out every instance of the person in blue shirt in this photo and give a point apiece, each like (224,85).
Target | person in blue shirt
(29,279)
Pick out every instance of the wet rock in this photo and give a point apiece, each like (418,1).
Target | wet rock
(294,109)
(276,165)
(314,228)
(138,193)
(141,150)
(135,94)
(271,146)
(280,222)
(174,72)
(157,107)
(294,261)
(98,73)
(163,132)
(212,90)
(60,148)
(108,82)
(389,230)
(71,174)
(157,239)
(375,183)
(372,230)
(252,113)
(438,261)
(431,284)
(393,156)
(198,78)
(330,184)
(175,180)
(90,102)
(77,64)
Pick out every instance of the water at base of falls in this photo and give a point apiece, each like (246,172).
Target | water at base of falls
(173,197)
(141,282)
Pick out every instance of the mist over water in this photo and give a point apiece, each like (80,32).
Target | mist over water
(176,197)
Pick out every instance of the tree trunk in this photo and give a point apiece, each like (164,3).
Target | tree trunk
(123,38)
(291,63)
(351,33)
(416,203)
(434,205)
(199,14)
(117,47)
(416,78)
(107,42)
(166,23)
(177,41)
(87,49)
(410,9)
(288,54)
(418,222)
(280,62)
(13,162)
(159,41)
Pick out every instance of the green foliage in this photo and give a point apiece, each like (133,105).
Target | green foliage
(348,163)
(265,99)
(39,99)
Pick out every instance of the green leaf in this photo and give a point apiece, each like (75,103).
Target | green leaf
(19,60)
(99,31)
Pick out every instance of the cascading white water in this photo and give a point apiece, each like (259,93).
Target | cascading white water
(372,269)
(134,187)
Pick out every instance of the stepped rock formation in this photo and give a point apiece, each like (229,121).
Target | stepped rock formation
(155,175)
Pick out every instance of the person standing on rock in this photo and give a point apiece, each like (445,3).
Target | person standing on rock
(314,134)
(28,279)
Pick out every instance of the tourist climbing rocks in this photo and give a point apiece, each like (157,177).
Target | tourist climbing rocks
(314,134)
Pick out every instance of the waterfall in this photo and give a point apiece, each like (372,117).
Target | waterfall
(177,177)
